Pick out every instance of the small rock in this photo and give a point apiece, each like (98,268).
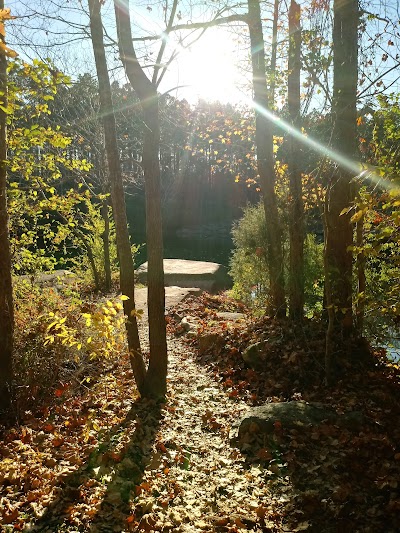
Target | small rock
(189,323)
(254,357)
(210,341)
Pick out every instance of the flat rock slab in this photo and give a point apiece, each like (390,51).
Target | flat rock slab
(211,277)
(57,278)
(229,316)
(173,296)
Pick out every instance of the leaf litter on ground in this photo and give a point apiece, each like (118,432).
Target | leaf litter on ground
(101,459)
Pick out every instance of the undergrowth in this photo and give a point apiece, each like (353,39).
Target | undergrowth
(62,340)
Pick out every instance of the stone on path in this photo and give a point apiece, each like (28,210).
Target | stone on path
(230,317)
(173,296)
(210,277)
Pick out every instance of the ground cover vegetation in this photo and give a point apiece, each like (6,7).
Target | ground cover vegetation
(102,428)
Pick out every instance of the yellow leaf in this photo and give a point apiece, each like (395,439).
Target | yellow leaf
(123,297)
(357,216)
(7,51)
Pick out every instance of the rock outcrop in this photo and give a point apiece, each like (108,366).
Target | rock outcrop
(211,277)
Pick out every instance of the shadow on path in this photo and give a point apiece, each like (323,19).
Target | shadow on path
(118,463)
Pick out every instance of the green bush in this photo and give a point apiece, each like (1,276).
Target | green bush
(249,266)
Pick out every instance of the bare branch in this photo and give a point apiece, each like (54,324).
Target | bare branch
(164,42)
(197,26)
(378,78)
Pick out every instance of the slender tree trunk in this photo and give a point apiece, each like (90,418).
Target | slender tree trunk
(361,277)
(106,243)
(265,162)
(82,237)
(296,215)
(6,294)
(339,231)
(274,51)
(127,280)
(155,384)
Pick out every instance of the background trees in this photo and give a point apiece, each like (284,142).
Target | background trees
(309,79)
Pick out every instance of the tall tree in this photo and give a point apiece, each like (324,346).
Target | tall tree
(127,281)
(6,294)
(265,161)
(338,228)
(296,215)
(146,90)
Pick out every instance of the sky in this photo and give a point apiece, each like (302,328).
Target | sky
(210,69)
(215,68)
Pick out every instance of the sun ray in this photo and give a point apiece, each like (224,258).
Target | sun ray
(358,169)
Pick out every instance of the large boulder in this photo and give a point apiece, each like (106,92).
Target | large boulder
(261,422)
(173,296)
(210,277)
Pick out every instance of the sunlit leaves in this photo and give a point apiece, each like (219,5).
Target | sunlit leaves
(102,333)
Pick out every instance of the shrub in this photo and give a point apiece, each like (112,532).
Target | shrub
(249,265)
(61,339)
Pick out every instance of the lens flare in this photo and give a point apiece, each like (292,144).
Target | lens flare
(358,169)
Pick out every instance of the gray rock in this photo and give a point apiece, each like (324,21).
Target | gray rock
(173,296)
(231,316)
(254,356)
(211,341)
(260,421)
(50,279)
(189,323)
(210,277)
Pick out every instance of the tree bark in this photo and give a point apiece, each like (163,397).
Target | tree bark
(339,230)
(361,277)
(106,243)
(296,213)
(155,383)
(6,293)
(265,162)
(126,266)
(274,52)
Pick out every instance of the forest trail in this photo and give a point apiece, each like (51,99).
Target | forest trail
(203,483)
(98,459)
(105,462)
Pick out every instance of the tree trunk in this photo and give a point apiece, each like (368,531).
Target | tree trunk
(106,243)
(155,384)
(265,163)
(361,277)
(339,231)
(6,294)
(126,266)
(274,52)
(296,214)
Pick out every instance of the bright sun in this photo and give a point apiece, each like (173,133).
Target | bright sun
(209,69)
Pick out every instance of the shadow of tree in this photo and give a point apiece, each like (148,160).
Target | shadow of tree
(329,478)
(118,463)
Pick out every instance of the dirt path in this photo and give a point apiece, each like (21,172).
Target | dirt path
(107,462)
(99,459)
(202,482)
